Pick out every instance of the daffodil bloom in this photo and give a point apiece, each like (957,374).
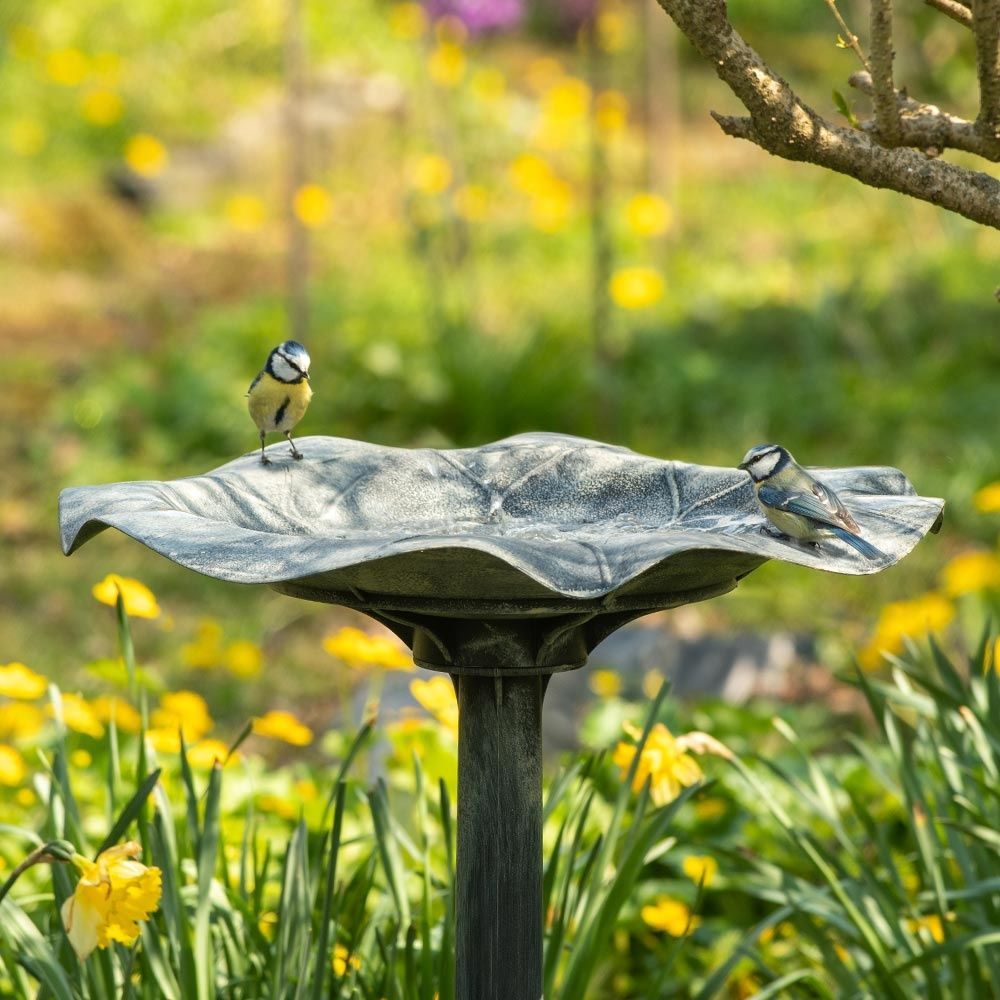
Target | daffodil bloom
(360,649)
(313,205)
(12,768)
(987,500)
(605,683)
(636,287)
(671,916)
(280,725)
(342,960)
(184,710)
(700,868)
(971,572)
(146,155)
(138,598)
(664,761)
(19,681)
(437,695)
(113,894)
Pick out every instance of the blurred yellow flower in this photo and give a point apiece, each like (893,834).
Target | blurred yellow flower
(67,67)
(446,64)
(277,805)
(146,155)
(552,207)
(106,67)
(279,725)
(931,612)
(102,106)
(312,205)
(139,599)
(605,683)
(205,754)
(244,658)
(663,761)
(19,720)
(437,695)
(930,923)
(652,681)
(186,711)
(81,759)
(529,173)
(611,111)
(567,98)
(636,287)
(472,202)
(113,894)
(245,212)
(361,649)
(700,868)
(342,959)
(26,136)
(164,740)
(12,767)
(709,810)
(78,715)
(206,650)
(542,72)
(429,174)
(971,572)
(25,797)
(19,681)
(670,915)
(987,500)
(612,28)
(110,707)
(407,20)
(648,214)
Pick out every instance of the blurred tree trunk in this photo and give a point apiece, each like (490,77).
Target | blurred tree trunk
(297,238)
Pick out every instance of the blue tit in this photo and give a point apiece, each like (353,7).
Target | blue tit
(796,504)
(278,396)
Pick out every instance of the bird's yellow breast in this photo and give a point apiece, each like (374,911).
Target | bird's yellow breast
(278,406)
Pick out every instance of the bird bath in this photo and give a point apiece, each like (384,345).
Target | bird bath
(499,565)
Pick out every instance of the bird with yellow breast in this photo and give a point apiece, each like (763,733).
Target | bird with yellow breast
(279,395)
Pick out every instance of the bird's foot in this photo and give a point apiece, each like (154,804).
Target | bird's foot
(264,460)
(296,454)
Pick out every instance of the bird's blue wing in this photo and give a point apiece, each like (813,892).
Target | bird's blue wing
(798,502)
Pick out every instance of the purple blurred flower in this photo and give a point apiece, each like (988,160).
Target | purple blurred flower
(479,16)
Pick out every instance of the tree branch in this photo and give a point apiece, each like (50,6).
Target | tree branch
(888,129)
(986,27)
(926,126)
(956,11)
(784,125)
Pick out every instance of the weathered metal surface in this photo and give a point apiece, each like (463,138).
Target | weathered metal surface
(537,524)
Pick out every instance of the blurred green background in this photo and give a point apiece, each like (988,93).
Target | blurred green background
(532,227)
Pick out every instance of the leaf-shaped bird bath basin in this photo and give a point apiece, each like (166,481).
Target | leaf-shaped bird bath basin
(500,565)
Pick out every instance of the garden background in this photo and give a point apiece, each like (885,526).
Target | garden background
(515,219)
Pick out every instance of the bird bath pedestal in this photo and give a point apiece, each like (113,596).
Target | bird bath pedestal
(500,566)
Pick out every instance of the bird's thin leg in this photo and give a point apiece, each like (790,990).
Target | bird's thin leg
(295,451)
(264,460)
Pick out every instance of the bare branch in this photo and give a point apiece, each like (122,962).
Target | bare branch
(986,26)
(784,125)
(849,37)
(956,11)
(927,127)
(888,130)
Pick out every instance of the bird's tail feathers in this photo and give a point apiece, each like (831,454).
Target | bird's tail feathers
(865,548)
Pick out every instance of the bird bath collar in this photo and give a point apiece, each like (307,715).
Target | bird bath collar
(500,565)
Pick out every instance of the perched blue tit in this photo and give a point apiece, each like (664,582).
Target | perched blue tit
(796,504)
(278,396)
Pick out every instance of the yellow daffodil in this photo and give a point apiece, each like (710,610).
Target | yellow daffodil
(664,761)
(206,650)
(709,810)
(342,959)
(244,658)
(611,112)
(437,695)
(446,64)
(313,205)
(971,572)
(987,500)
(139,599)
(652,681)
(931,924)
(245,212)
(669,915)
(648,214)
(205,754)
(605,683)
(19,681)
(146,155)
(12,767)
(613,28)
(113,895)
(67,67)
(278,806)
(278,725)
(429,174)
(931,612)
(20,720)
(101,107)
(488,85)
(636,287)
(81,759)
(407,20)
(183,710)
(361,649)
(700,868)
(79,715)
(107,707)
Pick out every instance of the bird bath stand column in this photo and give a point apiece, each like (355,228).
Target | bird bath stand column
(500,566)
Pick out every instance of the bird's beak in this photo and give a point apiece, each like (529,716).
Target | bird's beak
(743,466)
(305,375)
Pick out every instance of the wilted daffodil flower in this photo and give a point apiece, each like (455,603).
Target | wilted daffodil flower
(114,893)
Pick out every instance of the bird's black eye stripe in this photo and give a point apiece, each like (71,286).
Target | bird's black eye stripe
(291,364)
(764,454)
